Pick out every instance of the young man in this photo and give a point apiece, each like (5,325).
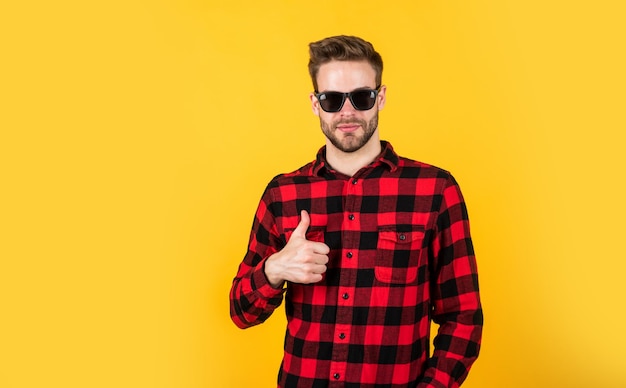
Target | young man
(365,246)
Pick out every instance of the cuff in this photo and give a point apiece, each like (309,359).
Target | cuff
(262,285)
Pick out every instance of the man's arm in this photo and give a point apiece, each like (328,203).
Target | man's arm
(455,296)
(258,287)
(252,297)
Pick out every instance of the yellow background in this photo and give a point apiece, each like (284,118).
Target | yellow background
(137,137)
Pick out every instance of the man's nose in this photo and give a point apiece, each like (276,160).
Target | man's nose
(347,109)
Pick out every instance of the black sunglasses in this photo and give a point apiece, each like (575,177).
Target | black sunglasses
(361,99)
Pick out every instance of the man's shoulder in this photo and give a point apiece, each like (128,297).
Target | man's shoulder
(301,174)
(425,170)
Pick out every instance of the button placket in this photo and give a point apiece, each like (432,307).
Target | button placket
(345,293)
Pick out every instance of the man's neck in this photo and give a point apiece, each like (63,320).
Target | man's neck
(348,163)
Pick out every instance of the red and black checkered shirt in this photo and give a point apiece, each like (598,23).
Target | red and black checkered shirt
(400,255)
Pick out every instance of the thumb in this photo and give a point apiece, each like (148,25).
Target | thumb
(302,227)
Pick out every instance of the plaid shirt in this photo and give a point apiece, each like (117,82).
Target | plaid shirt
(400,255)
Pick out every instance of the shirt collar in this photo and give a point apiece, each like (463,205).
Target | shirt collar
(387,157)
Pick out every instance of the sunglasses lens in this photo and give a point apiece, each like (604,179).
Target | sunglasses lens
(331,101)
(363,99)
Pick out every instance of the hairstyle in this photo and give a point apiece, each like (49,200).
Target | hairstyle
(343,48)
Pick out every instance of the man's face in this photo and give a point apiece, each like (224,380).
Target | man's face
(349,129)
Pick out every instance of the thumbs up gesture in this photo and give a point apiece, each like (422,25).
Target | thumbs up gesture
(300,261)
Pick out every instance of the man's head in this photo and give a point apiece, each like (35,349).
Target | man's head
(343,48)
(346,73)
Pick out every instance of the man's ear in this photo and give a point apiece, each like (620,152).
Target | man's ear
(382,97)
(315,104)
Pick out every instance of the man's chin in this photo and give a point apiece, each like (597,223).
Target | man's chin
(348,145)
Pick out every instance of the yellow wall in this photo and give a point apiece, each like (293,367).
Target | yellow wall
(137,137)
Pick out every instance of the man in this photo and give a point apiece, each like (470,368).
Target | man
(365,246)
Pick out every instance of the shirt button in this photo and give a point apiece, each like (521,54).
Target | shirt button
(342,336)
(349,255)
(336,376)
(355,181)
(402,237)
(351,217)
(345,295)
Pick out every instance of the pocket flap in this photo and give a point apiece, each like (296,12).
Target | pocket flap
(315,233)
(401,236)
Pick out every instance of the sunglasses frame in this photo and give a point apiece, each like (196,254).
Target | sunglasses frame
(346,96)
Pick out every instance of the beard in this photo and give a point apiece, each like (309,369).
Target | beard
(349,142)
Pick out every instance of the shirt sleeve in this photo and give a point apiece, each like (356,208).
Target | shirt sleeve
(455,297)
(252,298)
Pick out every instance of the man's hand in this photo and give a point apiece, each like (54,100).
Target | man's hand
(300,261)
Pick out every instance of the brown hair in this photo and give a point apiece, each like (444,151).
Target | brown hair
(343,48)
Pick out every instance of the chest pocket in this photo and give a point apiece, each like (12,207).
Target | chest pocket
(398,254)
(314,233)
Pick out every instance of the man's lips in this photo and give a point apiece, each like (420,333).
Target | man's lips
(348,127)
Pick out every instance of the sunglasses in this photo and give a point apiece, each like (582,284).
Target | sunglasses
(361,99)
